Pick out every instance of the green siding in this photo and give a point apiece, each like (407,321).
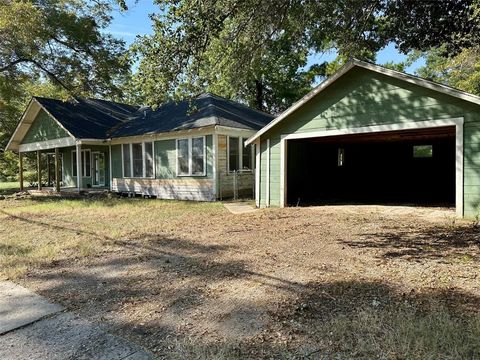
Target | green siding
(364,98)
(69,179)
(44,128)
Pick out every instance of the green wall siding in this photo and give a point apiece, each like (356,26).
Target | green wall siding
(363,98)
(70,180)
(44,128)
(165,159)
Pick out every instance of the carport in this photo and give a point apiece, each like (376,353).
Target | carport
(418,163)
(407,166)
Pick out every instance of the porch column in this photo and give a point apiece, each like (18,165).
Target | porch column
(20,165)
(79,167)
(39,170)
(57,170)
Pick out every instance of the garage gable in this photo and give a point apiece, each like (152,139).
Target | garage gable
(362,94)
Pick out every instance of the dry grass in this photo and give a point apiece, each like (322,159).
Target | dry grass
(190,280)
(42,230)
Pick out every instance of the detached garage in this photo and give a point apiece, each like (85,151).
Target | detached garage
(373,135)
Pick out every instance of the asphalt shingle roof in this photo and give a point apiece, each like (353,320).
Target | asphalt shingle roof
(100,119)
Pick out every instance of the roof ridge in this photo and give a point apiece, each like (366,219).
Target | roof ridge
(237,103)
(412,76)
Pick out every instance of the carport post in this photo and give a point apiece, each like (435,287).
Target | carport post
(79,167)
(39,170)
(57,170)
(20,174)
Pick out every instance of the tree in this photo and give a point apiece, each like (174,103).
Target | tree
(423,25)
(461,71)
(63,41)
(54,48)
(249,50)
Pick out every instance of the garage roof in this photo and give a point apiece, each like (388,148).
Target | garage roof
(379,69)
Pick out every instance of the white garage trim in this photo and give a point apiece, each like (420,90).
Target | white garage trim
(457,122)
(267,182)
(257,172)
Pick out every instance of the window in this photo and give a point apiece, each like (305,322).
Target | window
(233,154)
(86,163)
(182,156)
(74,163)
(138,160)
(341,157)
(422,151)
(148,159)
(246,156)
(239,156)
(191,156)
(198,156)
(127,169)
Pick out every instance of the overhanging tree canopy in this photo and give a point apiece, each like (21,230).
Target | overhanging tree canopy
(249,50)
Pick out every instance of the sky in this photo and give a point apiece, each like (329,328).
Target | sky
(136,21)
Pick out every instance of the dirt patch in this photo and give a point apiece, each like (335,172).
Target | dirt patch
(268,283)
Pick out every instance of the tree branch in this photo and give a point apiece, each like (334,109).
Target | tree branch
(49,73)
(13,63)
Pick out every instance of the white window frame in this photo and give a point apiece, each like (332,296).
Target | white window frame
(241,148)
(190,153)
(144,168)
(84,163)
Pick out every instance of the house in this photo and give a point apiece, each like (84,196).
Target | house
(191,150)
(370,134)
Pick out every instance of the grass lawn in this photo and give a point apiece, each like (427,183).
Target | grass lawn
(8,187)
(190,280)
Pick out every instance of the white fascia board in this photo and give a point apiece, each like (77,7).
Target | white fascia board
(47,144)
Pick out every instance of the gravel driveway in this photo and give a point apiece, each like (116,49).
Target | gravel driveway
(269,280)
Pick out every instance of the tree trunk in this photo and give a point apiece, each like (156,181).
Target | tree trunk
(259,94)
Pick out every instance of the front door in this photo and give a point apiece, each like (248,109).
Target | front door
(98,169)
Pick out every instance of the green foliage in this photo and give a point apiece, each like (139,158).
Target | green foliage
(62,41)
(250,51)
(256,52)
(422,25)
(461,71)
(54,48)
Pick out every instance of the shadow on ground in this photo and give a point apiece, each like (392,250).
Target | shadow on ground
(433,242)
(182,299)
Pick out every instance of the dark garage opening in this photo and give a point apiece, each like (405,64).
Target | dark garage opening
(400,167)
